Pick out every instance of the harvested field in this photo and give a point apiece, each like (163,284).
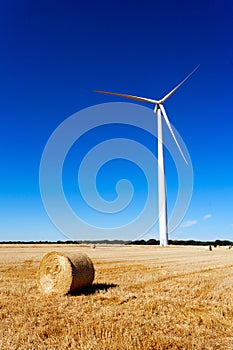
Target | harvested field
(143,297)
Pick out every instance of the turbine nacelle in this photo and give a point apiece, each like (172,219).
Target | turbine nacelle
(157,107)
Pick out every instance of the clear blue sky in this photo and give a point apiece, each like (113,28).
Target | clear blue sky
(54,53)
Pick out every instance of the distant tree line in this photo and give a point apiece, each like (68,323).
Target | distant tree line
(104,241)
(215,243)
(38,242)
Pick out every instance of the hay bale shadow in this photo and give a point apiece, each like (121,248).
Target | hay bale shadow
(95,287)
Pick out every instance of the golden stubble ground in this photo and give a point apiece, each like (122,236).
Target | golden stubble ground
(142,298)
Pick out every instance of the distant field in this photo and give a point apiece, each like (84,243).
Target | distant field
(143,297)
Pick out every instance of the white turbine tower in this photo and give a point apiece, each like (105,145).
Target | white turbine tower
(160,111)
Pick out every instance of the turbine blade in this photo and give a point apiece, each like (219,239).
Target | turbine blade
(170,128)
(136,98)
(177,87)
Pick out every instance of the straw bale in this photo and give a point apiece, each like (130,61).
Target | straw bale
(65,273)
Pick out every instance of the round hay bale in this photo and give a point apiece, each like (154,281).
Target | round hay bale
(61,274)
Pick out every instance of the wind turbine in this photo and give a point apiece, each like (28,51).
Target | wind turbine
(160,111)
